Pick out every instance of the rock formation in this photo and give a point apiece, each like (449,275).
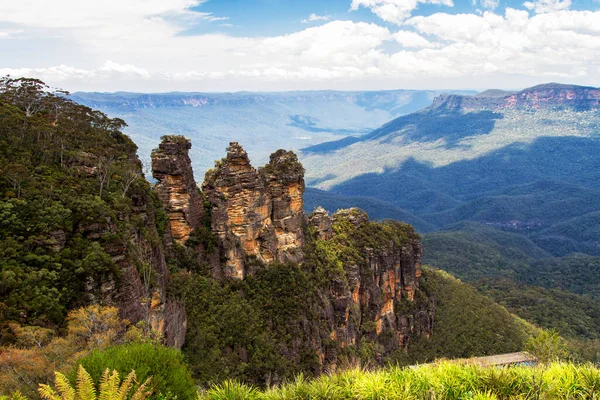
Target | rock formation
(379,288)
(285,183)
(176,186)
(320,220)
(241,212)
(257,218)
(257,214)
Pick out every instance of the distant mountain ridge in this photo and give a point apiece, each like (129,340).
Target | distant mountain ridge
(458,127)
(505,187)
(550,95)
(259,121)
(385,99)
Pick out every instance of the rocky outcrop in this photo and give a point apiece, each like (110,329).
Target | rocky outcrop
(176,187)
(256,214)
(320,220)
(241,213)
(285,184)
(376,298)
(257,218)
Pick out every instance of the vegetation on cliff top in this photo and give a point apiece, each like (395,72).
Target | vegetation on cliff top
(69,181)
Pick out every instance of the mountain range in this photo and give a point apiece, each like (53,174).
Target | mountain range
(260,122)
(251,284)
(504,185)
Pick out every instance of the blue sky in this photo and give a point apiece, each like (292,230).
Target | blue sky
(278,17)
(232,45)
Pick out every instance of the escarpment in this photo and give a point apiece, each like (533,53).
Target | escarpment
(138,283)
(366,273)
(376,299)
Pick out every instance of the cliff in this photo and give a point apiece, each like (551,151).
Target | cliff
(256,214)
(548,96)
(87,229)
(363,275)
(176,187)
(377,298)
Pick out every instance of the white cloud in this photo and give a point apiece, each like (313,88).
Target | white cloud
(314,18)
(546,6)
(487,4)
(111,66)
(410,39)
(210,18)
(141,49)
(395,11)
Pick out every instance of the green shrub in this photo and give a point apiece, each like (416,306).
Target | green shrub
(171,378)
(443,380)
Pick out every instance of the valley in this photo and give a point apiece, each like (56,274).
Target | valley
(261,122)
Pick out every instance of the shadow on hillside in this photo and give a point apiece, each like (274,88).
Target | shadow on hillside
(423,126)
(429,127)
(310,124)
(567,159)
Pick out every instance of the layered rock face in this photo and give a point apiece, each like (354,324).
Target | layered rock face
(285,184)
(176,187)
(547,96)
(257,214)
(241,212)
(376,300)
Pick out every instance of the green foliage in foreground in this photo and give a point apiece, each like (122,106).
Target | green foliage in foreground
(171,378)
(440,381)
(110,387)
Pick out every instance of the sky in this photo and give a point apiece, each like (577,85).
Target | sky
(273,45)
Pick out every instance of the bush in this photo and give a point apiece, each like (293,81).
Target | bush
(170,376)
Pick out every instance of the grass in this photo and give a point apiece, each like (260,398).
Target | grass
(444,380)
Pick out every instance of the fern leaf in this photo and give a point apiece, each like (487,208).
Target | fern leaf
(18,396)
(126,386)
(86,389)
(64,387)
(47,393)
(104,385)
(143,392)
(108,385)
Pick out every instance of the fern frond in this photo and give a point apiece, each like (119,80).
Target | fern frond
(143,392)
(18,396)
(86,389)
(64,387)
(46,392)
(126,386)
(109,385)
